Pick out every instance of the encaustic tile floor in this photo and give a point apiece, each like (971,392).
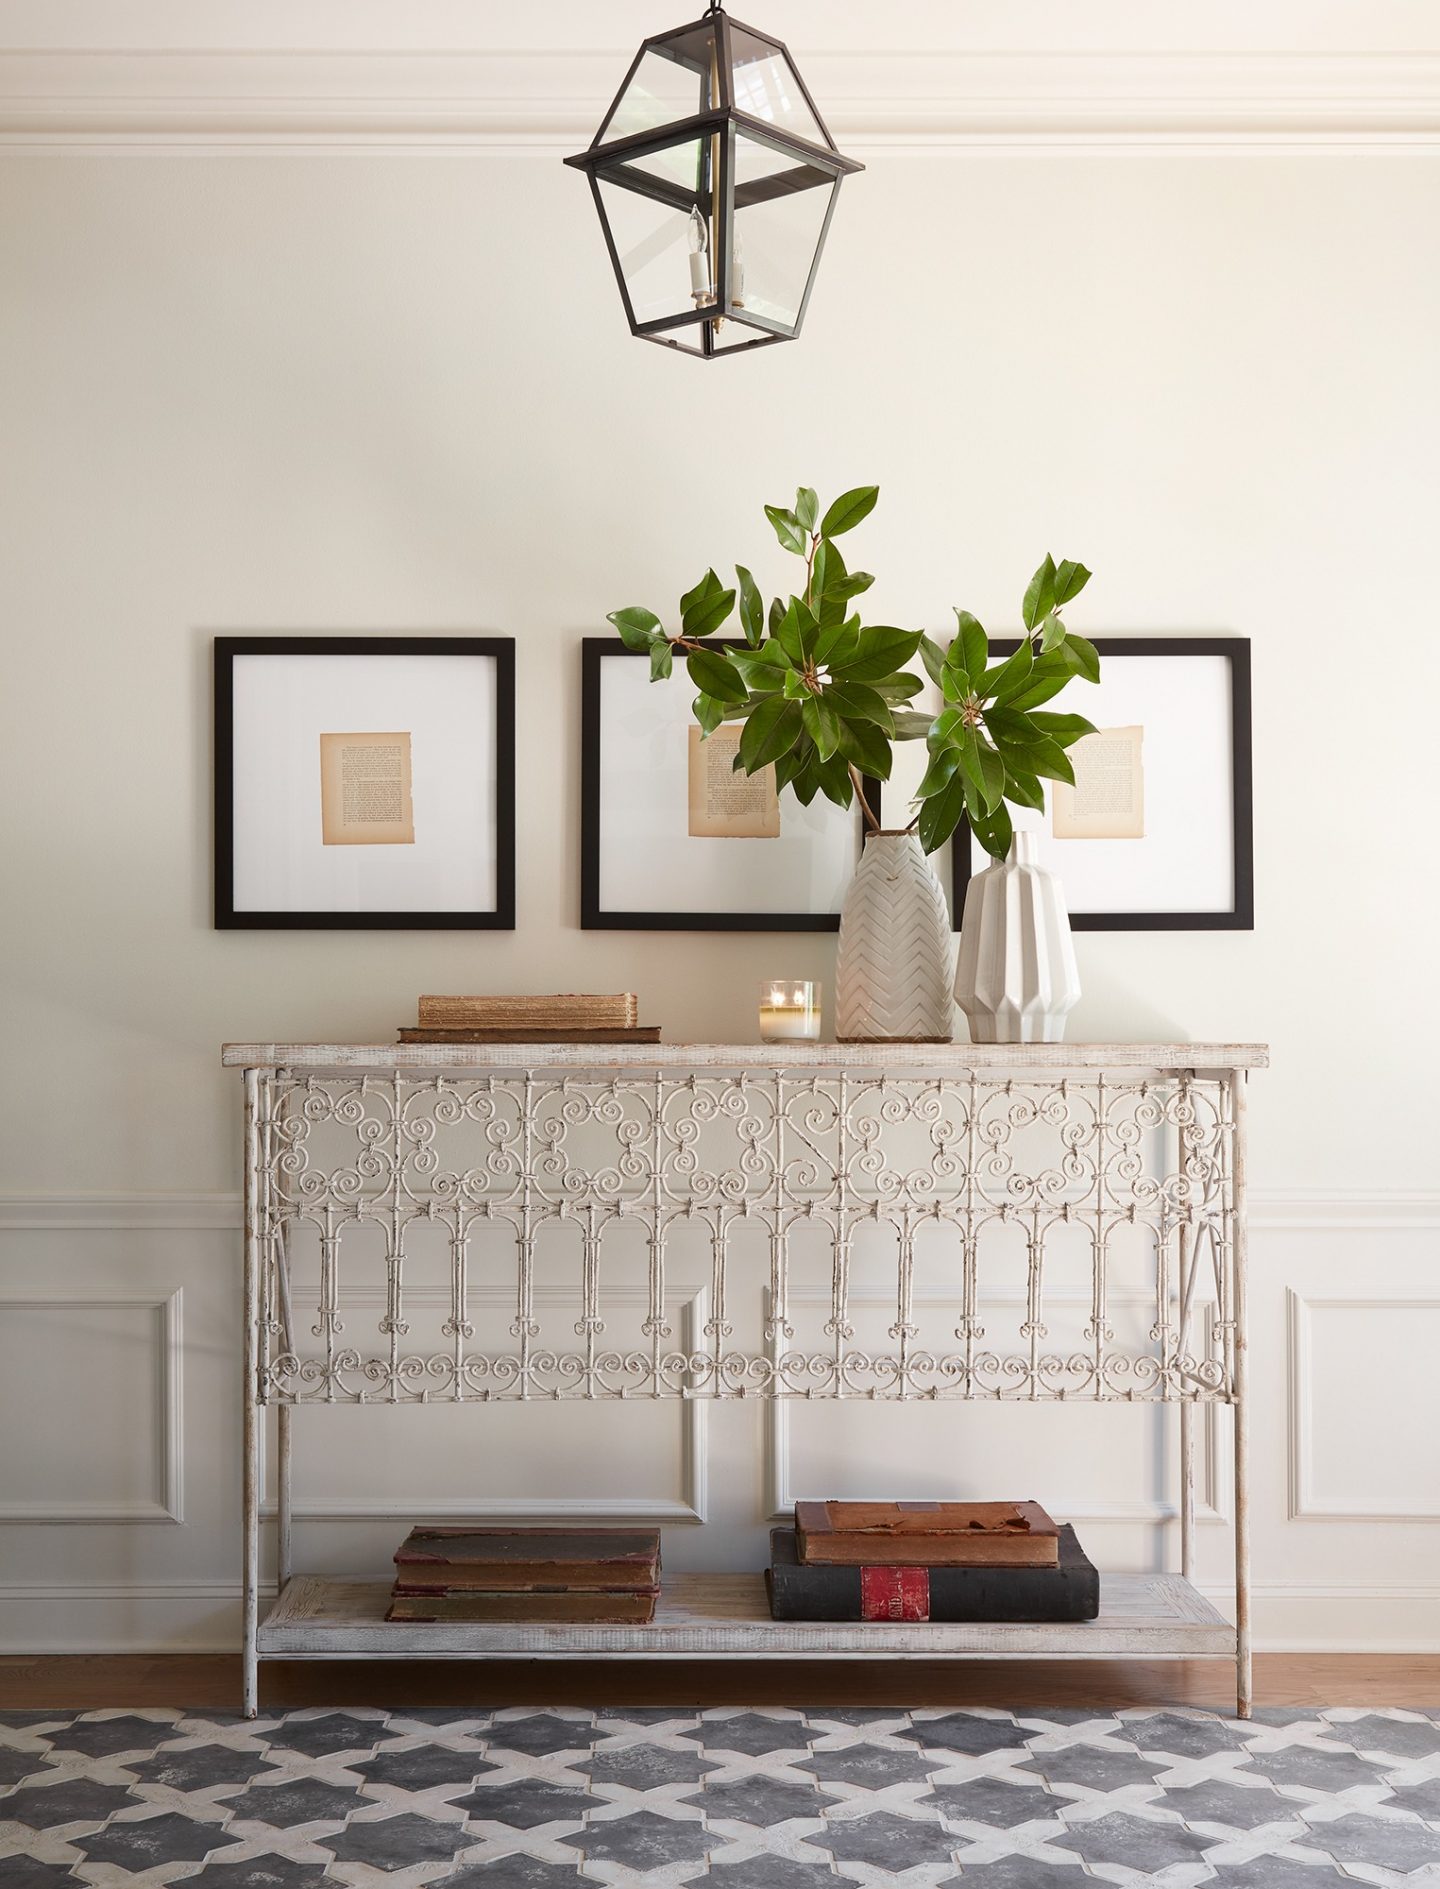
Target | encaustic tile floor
(733,1799)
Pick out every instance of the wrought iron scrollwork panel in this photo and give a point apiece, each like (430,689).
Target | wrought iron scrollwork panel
(856,1235)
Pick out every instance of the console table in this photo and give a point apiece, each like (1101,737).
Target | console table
(880,1221)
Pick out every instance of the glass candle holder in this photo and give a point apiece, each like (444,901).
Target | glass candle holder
(789,1011)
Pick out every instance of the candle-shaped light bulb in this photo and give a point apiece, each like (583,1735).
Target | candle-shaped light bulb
(699,241)
(737,273)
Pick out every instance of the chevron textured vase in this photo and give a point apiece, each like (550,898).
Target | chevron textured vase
(892,975)
(1016,979)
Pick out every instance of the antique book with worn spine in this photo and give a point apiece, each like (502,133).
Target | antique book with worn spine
(819,1591)
(926,1534)
(618,1012)
(524,1033)
(600,1606)
(525,1560)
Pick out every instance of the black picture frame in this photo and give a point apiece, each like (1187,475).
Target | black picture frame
(1241,916)
(499,649)
(596,650)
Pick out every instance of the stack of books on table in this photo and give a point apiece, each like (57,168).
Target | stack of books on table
(567,1018)
(939,1561)
(602,1575)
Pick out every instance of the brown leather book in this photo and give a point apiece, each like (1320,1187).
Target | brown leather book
(519,1560)
(628,1607)
(610,1012)
(927,1534)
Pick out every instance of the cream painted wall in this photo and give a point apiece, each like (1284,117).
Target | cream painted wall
(394,392)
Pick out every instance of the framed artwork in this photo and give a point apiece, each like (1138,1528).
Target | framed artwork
(1157,833)
(672,839)
(365,782)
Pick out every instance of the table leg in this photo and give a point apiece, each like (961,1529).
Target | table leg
(250,1491)
(1244,1697)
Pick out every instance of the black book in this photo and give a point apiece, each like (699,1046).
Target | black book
(807,1591)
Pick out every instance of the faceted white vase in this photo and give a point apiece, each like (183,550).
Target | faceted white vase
(1016,979)
(892,975)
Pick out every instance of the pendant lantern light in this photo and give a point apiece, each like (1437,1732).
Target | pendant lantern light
(715,180)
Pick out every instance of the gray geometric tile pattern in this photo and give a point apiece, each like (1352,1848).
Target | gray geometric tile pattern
(763,1798)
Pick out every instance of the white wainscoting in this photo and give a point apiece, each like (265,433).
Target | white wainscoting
(1344,1429)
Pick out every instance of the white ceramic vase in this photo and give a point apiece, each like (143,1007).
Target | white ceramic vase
(1016,978)
(893,971)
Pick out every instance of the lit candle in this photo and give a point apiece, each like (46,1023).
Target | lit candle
(789,1011)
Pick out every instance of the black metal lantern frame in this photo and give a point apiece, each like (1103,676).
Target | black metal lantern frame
(707,176)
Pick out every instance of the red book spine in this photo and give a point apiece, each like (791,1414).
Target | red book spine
(894,1593)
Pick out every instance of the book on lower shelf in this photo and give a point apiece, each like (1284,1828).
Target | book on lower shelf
(598,1575)
(616,1012)
(821,1591)
(926,1534)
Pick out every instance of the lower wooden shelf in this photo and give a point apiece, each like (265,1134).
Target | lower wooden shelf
(726,1616)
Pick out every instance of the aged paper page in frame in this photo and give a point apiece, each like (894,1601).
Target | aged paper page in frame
(725,804)
(1107,801)
(365,790)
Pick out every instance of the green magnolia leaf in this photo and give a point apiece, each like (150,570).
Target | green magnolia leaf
(787,528)
(787,766)
(944,730)
(763,669)
(822,724)
(933,657)
(806,783)
(992,774)
(1044,757)
(851,584)
(770,732)
(715,676)
(835,782)
(862,743)
(636,625)
(707,587)
(839,643)
(807,508)
(910,726)
(994,831)
(1070,580)
(708,712)
(706,615)
(788,635)
(796,687)
(972,644)
(939,774)
(940,814)
(880,651)
(1010,677)
(1010,726)
(1063,730)
(1039,691)
(1040,595)
(1082,656)
(857,702)
(752,607)
(1052,632)
(662,659)
(899,688)
(777,610)
(955,685)
(822,567)
(1023,788)
(849,510)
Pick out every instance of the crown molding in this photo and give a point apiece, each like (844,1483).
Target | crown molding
(551,102)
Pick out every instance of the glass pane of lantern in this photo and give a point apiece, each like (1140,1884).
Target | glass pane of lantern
(766,86)
(673,80)
(781,203)
(658,225)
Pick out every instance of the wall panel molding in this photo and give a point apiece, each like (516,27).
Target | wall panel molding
(549,102)
(168,1504)
(1304,1504)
